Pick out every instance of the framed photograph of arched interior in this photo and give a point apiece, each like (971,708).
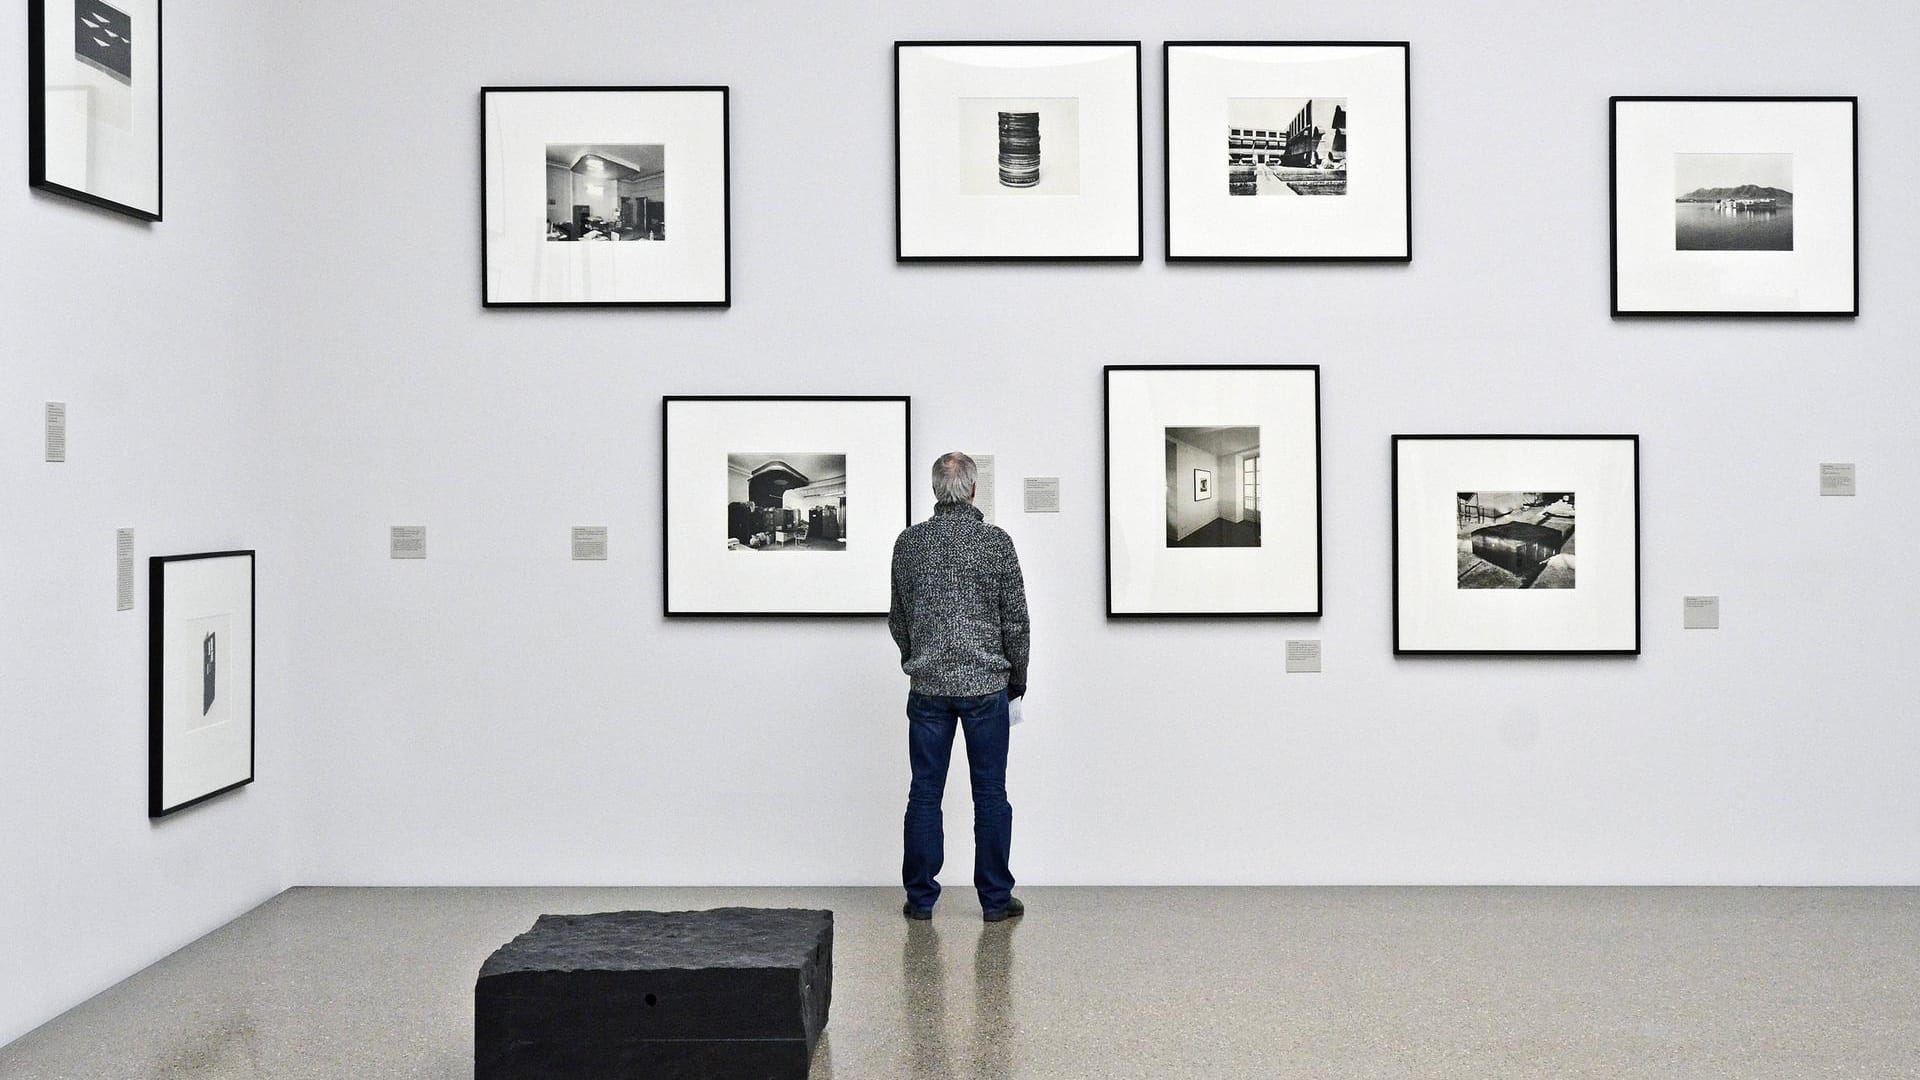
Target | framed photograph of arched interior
(1516,544)
(200,673)
(782,505)
(1735,206)
(1016,150)
(93,102)
(1213,490)
(576,185)
(1284,150)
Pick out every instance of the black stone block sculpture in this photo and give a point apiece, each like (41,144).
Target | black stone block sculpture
(733,993)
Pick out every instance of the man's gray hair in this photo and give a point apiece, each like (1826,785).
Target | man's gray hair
(953,478)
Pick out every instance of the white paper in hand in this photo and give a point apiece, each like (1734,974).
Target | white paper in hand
(1014,710)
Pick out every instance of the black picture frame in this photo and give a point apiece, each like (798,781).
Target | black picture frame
(1394,533)
(1166,145)
(1139,189)
(1319,491)
(666,494)
(156,678)
(37,119)
(1613,206)
(726,198)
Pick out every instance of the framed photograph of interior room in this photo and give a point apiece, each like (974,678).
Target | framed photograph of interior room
(199,678)
(1017,150)
(575,184)
(93,102)
(782,505)
(1213,490)
(1486,560)
(1279,150)
(1735,206)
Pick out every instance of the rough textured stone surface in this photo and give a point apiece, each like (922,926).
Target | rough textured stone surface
(740,993)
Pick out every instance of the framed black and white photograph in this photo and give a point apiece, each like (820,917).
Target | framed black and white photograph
(1017,150)
(1735,206)
(93,102)
(200,678)
(576,184)
(1516,544)
(752,484)
(1213,490)
(1279,150)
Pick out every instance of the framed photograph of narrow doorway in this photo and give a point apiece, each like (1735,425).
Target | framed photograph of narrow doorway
(200,674)
(1516,544)
(1213,490)
(93,102)
(576,183)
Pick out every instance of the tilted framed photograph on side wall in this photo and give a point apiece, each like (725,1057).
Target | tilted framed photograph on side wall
(200,674)
(93,102)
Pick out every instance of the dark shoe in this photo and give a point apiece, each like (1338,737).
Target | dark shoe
(917,914)
(1013,910)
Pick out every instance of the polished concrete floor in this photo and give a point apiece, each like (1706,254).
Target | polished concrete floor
(1412,984)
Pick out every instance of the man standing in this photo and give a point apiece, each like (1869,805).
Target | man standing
(960,618)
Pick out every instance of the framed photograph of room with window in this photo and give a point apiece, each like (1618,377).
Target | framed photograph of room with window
(1516,544)
(1735,206)
(200,678)
(93,102)
(1213,490)
(782,505)
(576,184)
(1281,150)
(1017,150)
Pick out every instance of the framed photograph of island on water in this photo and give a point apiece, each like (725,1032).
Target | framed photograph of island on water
(1280,150)
(1735,206)
(200,678)
(782,505)
(575,186)
(1516,544)
(1017,150)
(1213,490)
(93,102)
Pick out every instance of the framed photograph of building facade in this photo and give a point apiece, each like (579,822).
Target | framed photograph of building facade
(1213,490)
(1516,544)
(1279,150)
(1735,206)
(1017,150)
(93,102)
(782,505)
(200,678)
(576,183)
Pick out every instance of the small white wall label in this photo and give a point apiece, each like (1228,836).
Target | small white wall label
(1700,613)
(56,431)
(1836,478)
(1303,655)
(407,541)
(983,485)
(1041,494)
(589,543)
(123,569)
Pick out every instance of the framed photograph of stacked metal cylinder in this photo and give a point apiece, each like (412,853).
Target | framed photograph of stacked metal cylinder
(1735,206)
(1017,150)
(93,102)
(1213,490)
(1516,544)
(782,505)
(1279,150)
(200,678)
(575,186)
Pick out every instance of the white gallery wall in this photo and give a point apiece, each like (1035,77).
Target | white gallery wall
(297,359)
(159,339)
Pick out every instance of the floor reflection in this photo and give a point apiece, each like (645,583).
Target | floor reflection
(983,1039)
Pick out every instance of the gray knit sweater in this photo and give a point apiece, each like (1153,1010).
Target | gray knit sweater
(959,605)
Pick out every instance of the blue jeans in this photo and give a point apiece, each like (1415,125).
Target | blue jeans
(930,725)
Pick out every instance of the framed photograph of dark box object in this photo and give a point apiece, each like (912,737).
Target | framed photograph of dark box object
(1288,150)
(575,186)
(1735,206)
(782,505)
(200,678)
(93,102)
(1213,490)
(1017,150)
(1516,544)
